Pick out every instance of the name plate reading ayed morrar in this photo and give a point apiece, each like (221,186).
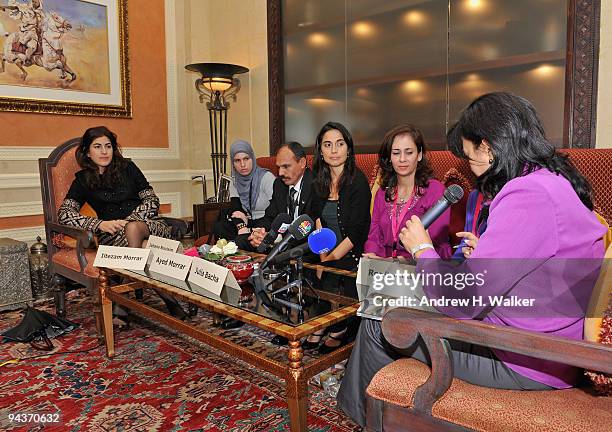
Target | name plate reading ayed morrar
(210,276)
(170,264)
(156,243)
(121,257)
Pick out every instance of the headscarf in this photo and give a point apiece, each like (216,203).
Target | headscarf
(248,186)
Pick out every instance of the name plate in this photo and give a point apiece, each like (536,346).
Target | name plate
(170,264)
(380,280)
(167,245)
(121,257)
(210,276)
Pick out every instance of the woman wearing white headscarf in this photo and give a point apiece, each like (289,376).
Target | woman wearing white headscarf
(250,193)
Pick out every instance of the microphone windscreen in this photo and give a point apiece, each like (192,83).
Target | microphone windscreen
(301,227)
(453,193)
(322,240)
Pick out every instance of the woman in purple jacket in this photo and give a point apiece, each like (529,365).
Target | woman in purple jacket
(407,188)
(542,243)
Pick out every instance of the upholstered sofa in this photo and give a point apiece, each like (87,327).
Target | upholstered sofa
(596,164)
(413,396)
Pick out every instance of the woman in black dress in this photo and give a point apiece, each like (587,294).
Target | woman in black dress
(125,204)
(341,203)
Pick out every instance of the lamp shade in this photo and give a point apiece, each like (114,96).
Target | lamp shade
(217,76)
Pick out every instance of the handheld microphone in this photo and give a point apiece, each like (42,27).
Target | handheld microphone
(298,230)
(279,220)
(452,195)
(319,241)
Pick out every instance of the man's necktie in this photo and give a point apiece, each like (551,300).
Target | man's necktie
(292,205)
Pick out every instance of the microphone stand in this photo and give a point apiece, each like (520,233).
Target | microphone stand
(298,283)
(259,286)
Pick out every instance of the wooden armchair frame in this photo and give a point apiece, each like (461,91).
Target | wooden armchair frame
(84,239)
(401,327)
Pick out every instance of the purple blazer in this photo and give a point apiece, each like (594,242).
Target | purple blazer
(380,238)
(541,243)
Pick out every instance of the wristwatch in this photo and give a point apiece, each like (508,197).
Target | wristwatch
(420,247)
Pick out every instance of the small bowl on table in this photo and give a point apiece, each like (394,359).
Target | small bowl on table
(241,267)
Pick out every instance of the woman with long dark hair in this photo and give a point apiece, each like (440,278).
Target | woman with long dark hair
(542,243)
(407,188)
(125,204)
(342,203)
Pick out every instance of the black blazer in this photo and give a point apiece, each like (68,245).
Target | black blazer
(278,203)
(353,214)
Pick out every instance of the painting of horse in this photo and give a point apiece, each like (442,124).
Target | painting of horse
(40,48)
(64,57)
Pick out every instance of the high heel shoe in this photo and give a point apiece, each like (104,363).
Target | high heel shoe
(176,310)
(120,317)
(309,344)
(342,338)
(122,323)
(173,306)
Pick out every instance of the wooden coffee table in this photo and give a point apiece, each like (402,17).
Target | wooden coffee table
(294,371)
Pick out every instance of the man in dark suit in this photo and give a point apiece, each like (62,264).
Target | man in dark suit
(291,192)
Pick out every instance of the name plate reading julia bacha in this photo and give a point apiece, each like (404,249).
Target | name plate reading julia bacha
(211,277)
(121,257)
(170,264)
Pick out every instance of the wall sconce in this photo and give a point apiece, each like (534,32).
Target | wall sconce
(216,87)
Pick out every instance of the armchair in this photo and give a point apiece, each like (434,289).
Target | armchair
(412,396)
(72,250)
(72,261)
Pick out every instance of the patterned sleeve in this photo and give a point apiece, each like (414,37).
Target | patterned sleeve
(69,212)
(149,202)
(148,207)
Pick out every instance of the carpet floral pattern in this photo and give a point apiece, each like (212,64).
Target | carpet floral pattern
(158,381)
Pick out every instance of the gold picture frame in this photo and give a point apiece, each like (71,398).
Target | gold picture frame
(76,63)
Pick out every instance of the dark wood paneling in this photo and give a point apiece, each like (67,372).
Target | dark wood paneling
(582,65)
(276,75)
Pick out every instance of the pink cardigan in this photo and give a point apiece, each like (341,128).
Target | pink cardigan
(380,238)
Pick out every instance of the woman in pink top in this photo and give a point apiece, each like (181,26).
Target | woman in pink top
(407,188)
(542,244)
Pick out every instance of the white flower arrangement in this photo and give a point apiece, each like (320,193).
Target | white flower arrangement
(219,250)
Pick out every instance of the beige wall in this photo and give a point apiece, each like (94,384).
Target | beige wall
(160,145)
(604,95)
(231,31)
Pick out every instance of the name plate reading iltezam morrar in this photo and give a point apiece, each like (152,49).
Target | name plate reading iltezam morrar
(121,257)
(156,243)
(170,264)
(210,276)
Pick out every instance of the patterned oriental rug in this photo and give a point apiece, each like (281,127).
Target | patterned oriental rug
(158,381)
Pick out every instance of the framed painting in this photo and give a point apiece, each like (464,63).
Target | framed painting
(65,57)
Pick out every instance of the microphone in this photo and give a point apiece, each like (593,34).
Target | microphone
(452,195)
(298,230)
(277,223)
(319,241)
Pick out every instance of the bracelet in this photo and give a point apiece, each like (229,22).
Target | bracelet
(420,247)
(240,225)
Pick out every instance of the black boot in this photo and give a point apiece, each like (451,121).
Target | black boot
(174,307)
(231,323)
